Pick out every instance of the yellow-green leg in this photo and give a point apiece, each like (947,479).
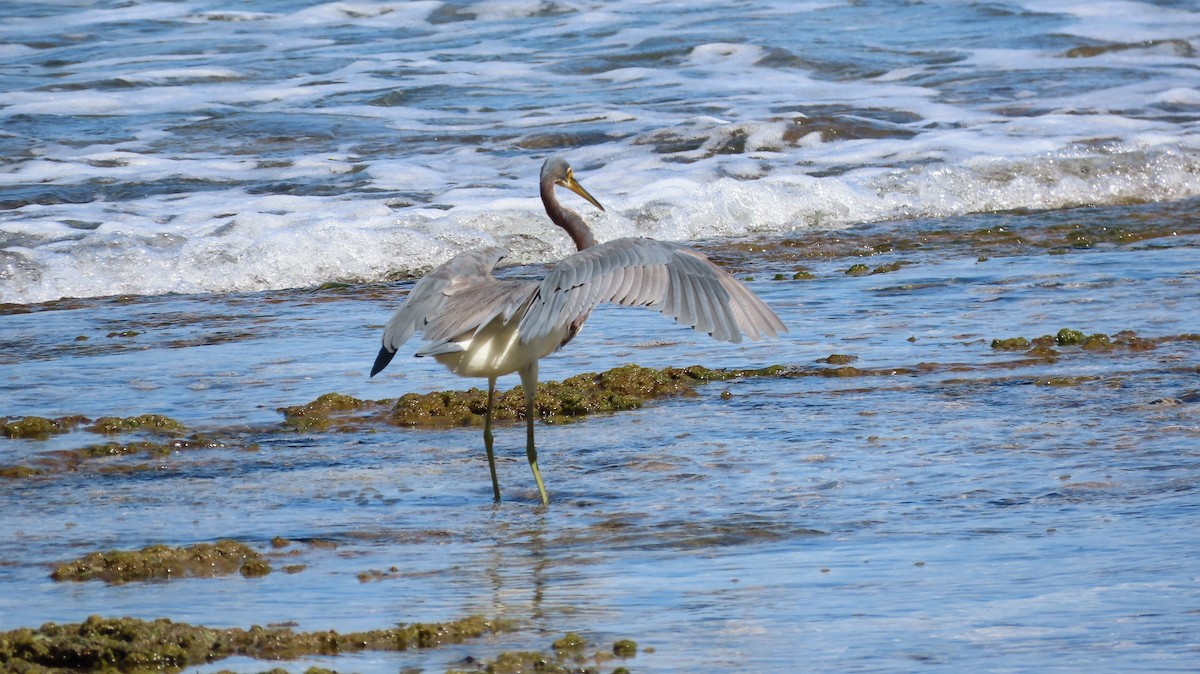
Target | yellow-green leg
(487,437)
(529,383)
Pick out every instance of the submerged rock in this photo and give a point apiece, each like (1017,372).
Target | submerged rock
(567,655)
(144,422)
(315,415)
(160,562)
(621,388)
(131,645)
(38,428)
(1126,340)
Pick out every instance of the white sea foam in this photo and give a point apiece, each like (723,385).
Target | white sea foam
(1122,21)
(361,141)
(371,14)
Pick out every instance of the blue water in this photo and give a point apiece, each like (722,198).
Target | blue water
(194,171)
(154,147)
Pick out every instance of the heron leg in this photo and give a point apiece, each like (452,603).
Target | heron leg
(487,437)
(529,383)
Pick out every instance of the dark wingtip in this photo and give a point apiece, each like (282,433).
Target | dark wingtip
(381,360)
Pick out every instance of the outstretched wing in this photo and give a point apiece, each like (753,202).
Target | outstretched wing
(428,298)
(465,312)
(668,277)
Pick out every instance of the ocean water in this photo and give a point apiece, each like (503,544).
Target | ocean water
(208,210)
(183,147)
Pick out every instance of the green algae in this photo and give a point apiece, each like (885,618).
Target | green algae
(889,267)
(31,427)
(39,428)
(144,422)
(376,574)
(1043,346)
(163,562)
(567,655)
(18,472)
(858,269)
(569,642)
(622,388)
(704,374)
(1178,46)
(315,415)
(625,648)
(845,371)
(280,670)
(618,389)
(1007,234)
(60,461)
(1010,344)
(1065,382)
(1097,342)
(1069,337)
(801,275)
(137,646)
(126,448)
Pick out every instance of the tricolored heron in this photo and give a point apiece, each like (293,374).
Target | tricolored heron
(479,326)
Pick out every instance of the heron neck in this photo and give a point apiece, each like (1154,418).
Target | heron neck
(568,219)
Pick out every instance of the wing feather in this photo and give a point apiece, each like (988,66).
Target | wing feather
(472,308)
(689,313)
(675,280)
(632,278)
(430,294)
(707,306)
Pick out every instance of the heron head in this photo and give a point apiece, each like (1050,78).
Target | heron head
(557,169)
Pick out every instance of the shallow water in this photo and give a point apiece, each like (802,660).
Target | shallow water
(951,505)
(209,212)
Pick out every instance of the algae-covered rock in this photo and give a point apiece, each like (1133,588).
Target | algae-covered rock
(130,645)
(144,422)
(844,371)
(125,448)
(315,415)
(18,472)
(38,428)
(568,655)
(569,642)
(621,388)
(889,267)
(161,562)
(254,568)
(1043,346)
(1068,337)
(625,648)
(1010,344)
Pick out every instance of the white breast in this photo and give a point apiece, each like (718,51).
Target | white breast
(495,350)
